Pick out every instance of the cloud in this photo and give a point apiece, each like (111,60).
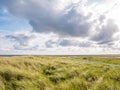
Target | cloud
(68,43)
(51,43)
(62,17)
(74,23)
(28,40)
(106,33)
(35,43)
(21,40)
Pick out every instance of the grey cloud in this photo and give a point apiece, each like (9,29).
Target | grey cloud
(66,42)
(19,47)
(51,44)
(70,24)
(106,33)
(86,44)
(21,41)
(20,38)
(45,16)
(102,18)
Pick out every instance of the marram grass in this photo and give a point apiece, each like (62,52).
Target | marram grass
(59,73)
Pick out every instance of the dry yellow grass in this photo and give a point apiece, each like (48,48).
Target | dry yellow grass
(59,73)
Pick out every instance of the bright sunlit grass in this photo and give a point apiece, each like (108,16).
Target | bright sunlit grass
(59,73)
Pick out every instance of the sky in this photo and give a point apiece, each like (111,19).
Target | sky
(59,27)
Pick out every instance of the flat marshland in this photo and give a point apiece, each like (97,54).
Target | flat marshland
(59,73)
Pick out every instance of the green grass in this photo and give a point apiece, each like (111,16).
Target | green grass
(59,73)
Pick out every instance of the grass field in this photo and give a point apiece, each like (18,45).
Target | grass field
(59,73)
